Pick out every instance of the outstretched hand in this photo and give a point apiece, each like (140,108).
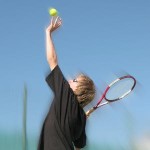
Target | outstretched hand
(54,24)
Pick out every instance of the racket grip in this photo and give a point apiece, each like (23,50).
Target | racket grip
(89,112)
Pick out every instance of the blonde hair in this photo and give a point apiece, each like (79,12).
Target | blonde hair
(85,91)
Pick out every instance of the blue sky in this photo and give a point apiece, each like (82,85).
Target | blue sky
(100,38)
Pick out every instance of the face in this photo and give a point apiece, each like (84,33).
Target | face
(74,83)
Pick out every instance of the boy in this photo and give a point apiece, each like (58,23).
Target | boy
(64,126)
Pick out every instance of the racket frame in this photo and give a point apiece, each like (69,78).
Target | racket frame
(104,94)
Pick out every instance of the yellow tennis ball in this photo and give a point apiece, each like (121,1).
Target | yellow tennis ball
(53,12)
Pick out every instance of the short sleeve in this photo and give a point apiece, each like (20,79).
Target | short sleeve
(55,79)
(63,94)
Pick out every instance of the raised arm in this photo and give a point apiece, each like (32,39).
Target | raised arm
(50,49)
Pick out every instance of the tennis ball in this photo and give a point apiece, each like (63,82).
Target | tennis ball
(53,12)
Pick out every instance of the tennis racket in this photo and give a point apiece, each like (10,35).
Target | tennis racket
(116,90)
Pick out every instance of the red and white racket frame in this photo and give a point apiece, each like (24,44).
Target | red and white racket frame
(108,87)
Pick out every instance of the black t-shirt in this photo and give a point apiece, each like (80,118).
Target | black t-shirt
(65,122)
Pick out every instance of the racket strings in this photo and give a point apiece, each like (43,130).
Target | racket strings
(119,89)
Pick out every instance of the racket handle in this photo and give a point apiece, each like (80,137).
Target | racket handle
(89,112)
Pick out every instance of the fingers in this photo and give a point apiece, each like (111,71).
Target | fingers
(56,21)
(54,24)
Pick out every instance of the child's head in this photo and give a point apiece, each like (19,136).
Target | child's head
(83,88)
